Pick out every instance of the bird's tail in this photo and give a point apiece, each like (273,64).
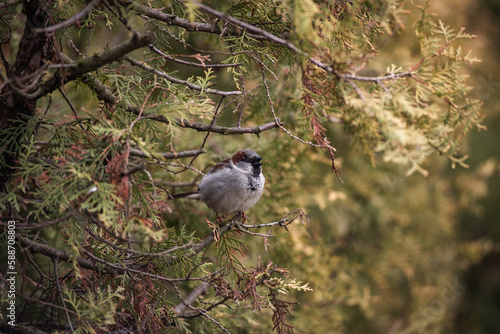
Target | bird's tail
(189,194)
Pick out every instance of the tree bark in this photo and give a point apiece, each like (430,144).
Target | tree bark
(16,106)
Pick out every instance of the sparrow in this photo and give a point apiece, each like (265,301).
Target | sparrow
(233,185)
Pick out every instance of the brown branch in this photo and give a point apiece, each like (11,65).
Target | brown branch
(96,61)
(170,19)
(268,235)
(135,252)
(109,268)
(167,155)
(173,20)
(53,252)
(229,130)
(105,94)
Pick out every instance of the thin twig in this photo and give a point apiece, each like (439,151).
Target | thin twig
(40,225)
(357,89)
(202,311)
(280,222)
(384,87)
(56,269)
(179,81)
(268,235)
(171,19)
(68,101)
(167,155)
(376,79)
(279,124)
(188,63)
(231,130)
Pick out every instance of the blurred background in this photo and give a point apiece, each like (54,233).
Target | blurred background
(478,310)
(415,254)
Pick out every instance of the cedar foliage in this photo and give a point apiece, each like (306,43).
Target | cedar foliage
(119,104)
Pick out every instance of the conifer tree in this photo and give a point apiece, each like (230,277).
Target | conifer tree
(109,107)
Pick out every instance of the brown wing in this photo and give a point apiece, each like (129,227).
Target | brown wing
(220,165)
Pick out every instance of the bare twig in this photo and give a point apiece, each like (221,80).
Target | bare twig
(357,89)
(202,311)
(286,220)
(188,63)
(56,269)
(268,235)
(114,269)
(271,103)
(281,222)
(376,79)
(123,269)
(167,155)
(191,298)
(230,130)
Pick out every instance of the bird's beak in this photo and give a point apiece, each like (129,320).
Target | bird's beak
(256,161)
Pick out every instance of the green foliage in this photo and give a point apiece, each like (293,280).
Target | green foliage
(97,163)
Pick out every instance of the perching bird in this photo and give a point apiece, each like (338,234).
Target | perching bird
(233,185)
